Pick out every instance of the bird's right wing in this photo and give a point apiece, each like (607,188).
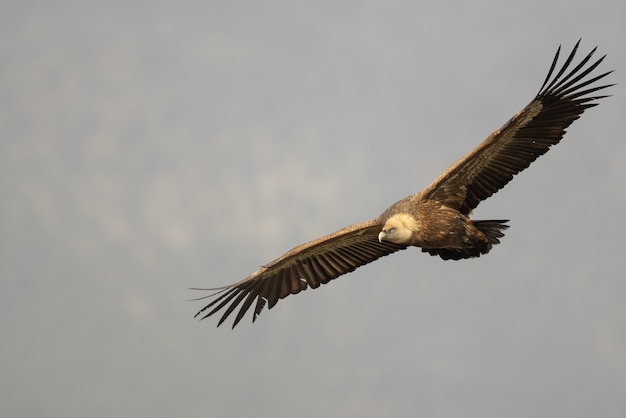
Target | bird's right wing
(529,134)
(311,264)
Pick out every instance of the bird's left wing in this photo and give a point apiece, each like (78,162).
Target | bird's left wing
(529,134)
(311,264)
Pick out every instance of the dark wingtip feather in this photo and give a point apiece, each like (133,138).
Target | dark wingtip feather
(570,84)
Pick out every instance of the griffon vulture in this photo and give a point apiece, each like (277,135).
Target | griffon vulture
(437,218)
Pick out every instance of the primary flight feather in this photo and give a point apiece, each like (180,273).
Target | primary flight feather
(437,218)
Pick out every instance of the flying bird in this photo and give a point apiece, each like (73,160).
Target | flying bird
(437,219)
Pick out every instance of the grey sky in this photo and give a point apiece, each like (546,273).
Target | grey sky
(148,148)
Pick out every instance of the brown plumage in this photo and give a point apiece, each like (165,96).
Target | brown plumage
(437,218)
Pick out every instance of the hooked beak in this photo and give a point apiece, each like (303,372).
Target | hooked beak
(382,235)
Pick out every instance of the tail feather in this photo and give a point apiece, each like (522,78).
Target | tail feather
(491,229)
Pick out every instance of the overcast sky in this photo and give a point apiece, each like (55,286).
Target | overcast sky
(149,147)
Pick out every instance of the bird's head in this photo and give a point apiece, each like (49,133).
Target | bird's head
(398,229)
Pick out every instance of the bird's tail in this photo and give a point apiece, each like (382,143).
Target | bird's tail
(492,231)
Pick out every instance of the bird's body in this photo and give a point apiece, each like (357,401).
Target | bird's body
(438,229)
(437,219)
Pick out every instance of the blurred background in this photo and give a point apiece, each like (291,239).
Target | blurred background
(150,147)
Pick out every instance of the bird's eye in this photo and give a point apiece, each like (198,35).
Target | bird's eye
(391,230)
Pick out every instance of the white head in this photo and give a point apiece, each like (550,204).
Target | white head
(398,229)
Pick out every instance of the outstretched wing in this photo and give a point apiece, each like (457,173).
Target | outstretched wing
(529,134)
(311,264)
